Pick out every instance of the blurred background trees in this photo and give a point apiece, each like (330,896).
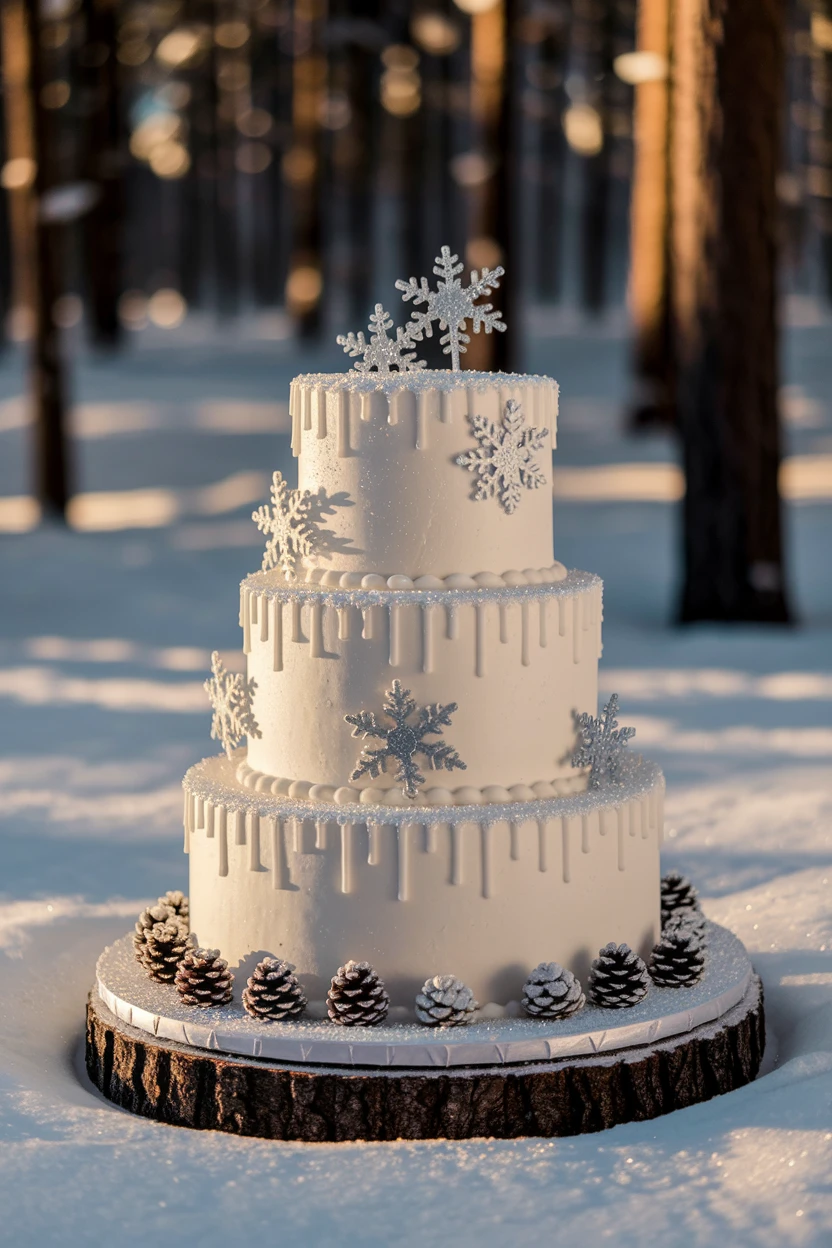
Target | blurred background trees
(288,159)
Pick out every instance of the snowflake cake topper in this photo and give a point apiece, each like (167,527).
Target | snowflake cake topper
(230,695)
(503,461)
(382,352)
(452,304)
(601,745)
(289,526)
(403,741)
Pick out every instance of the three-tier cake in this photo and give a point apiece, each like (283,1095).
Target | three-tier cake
(417,664)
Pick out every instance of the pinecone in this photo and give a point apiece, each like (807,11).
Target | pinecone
(273,993)
(203,978)
(177,903)
(164,948)
(678,960)
(618,978)
(677,894)
(552,992)
(689,919)
(145,924)
(357,997)
(445,1002)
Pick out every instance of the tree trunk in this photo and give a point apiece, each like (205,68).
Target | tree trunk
(190,1087)
(38,280)
(653,364)
(103,226)
(304,286)
(728,76)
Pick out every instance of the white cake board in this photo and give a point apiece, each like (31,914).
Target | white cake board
(665,1012)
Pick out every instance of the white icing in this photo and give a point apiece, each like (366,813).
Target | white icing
(538,867)
(392,441)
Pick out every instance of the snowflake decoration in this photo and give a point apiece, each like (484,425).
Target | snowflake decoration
(503,460)
(405,740)
(230,695)
(601,744)
(382,352)
(452,304)
(289,524)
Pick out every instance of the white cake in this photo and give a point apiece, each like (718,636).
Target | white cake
(410,577)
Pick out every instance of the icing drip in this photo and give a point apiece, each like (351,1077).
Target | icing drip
(316,631)
(321,406)
(543,636)
(564,832)
(253,601)
(479,665)
(222,839)
(367,630)
(396,644)
(486,839)
(421,422)
(246,624)
(277,637)
(428,656)
(347,834)
(343,426)
(403,835)
(254,843)
(514,841)
(576,630)
(187,823)
(456,854)
(619,819)
(430,838)
(320,834)
(343,623)
(307,408)
(542,846)
(200,813)
(209,820)
(452,627)
(239,827)
(503,623)
(524,634)
(374,844)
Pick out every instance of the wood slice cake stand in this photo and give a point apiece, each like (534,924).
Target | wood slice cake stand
(501,1076)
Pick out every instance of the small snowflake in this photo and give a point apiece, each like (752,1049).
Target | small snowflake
(601,745)
(289,524)
(382,352)
(404,741)
(230,695)
(452,304)
(503,460)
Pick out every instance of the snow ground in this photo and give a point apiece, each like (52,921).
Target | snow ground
(104,641)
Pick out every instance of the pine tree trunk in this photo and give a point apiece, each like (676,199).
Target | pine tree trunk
(42,243)
(597,177)
(103,226)
(728,76)
(653,364)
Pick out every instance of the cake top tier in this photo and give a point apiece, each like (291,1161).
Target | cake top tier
(426,473)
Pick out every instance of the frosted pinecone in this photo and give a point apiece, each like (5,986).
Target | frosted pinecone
(552,992)
(677,894)
(691,920)
(203,978)
(273,993)
(618,978)
(165,946)
(445,1002)
(357,996)
(177,902)
(145,924)
(678,960)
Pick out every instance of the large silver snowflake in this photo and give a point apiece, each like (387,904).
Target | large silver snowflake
(601,745)
(452,304)
(230,695)
(289,526)
(403,740)
(503,460)
(382,352)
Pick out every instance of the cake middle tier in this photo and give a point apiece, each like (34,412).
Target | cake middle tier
(518,662)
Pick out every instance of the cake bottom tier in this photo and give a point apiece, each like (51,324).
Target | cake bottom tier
(480,892)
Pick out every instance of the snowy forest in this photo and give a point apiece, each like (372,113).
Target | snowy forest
(201,200)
